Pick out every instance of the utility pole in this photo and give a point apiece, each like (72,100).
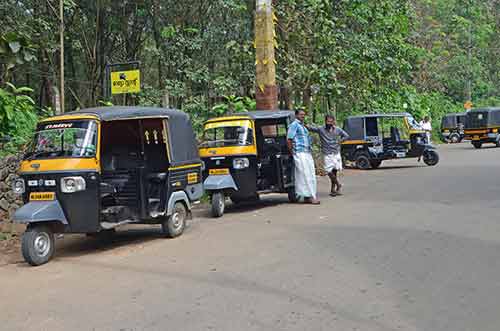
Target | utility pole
(61,51)
(469,57)
(266,91)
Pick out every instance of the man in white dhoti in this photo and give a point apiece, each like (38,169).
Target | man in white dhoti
(331,136)
(299,144)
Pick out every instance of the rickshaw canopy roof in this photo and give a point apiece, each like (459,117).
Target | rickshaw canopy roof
(355,125)
(183,146)
(388,115)
(450,120)
(259,115)
(492,117)
(124,113)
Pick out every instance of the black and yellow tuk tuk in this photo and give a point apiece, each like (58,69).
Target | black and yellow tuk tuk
(93,170)
(452,127)
(482,126)
(245,155)
(378,137)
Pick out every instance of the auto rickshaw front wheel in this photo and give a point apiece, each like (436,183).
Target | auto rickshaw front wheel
(477,144)
(455,138)
(175,224)
(218,204)
(431,158)
(38,244)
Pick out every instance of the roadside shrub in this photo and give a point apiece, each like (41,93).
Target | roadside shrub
(18,117)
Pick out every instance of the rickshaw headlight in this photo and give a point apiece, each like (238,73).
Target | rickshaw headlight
(241,163)
(18,186)
(72,184)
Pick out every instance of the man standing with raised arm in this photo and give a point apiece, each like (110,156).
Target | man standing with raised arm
(299,144)
(331,136)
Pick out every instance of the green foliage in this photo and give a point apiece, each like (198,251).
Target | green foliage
(234,104)
(18,117)
(343,56)
(15,50)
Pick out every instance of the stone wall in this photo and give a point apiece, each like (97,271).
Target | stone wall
(9,201)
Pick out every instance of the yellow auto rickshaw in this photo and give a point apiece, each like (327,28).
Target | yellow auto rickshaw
(93,170)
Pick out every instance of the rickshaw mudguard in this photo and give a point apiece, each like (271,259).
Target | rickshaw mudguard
(179,196)
(219,182)
(40,211)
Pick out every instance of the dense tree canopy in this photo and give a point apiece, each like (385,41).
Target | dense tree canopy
(333,55)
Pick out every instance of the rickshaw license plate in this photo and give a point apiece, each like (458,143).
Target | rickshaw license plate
(475,138)
(218,172)
(42,196)
(401,154)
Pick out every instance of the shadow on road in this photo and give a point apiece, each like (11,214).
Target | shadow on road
(81,245)
(266,201)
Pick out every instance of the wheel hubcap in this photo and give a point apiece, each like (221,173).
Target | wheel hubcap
(363,163)
(178,219)
(42,244)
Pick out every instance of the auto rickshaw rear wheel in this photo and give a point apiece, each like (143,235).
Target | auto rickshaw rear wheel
(363,161)
(431,158)
(175,224)
(292,195)
(38,244)
(477,144)
(218,204)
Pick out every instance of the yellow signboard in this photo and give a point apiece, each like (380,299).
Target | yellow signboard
(125,82)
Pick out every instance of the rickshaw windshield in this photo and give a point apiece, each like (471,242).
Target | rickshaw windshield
(226,134)
(64,139)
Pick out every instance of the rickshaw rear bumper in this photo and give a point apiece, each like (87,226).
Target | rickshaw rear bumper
(219,182)
(40,211)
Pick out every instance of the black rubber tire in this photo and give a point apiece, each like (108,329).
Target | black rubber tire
(497,143)
(175,224)
(363,161)
(292,195)
(455,138)
(218,204)
(38,244)
(477,144)
(375,164)
(431,158)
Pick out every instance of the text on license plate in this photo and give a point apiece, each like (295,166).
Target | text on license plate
(475,138)
(218,172)
(42,196)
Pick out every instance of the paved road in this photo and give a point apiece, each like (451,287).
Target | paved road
(407,247)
